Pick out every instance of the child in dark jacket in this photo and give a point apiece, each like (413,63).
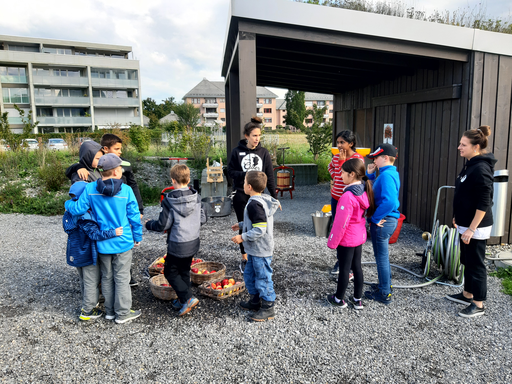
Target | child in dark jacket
(257,235)
(89,155)
(181,216)
(82,252)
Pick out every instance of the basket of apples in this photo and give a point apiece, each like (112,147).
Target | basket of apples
(203,271)
(223,289)
(160,288)
(157,266)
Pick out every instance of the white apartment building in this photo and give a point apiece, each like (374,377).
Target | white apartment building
(69,86)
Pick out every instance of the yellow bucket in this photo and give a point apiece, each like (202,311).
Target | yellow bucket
(326,208)
(363,151)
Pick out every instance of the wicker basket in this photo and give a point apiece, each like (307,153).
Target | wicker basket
(154,270)
(210,266)
(222,294)
(164,293)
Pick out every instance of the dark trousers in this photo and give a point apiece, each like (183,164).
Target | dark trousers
(350,258)
(239,202)
(177,273)
(472,255)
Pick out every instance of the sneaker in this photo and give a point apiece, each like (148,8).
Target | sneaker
(331,299)
(130,316)
(472,311)
(133,282)
(378,296)
(176,305)
(357,304)
(187,307)
(243,263)
(110,317)
(375,287)
(350,276)
(336,269)
(459,298)
(94,314)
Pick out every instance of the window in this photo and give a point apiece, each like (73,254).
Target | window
(267,119)
(44,112)
(57,51)
(69,112)
(331,111)
(196,101)
(222,101)
(13,74)
(23,48)
(223,119)
(321,103)
(267,110)
(121,94)
(309,104)
(309,121)
(210,101)
(267,101)
(41,72)
(15,95)
(223,110)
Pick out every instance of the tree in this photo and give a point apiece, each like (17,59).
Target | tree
(295,109)
(156,111)
(319,135)
(15,140)
(188,116)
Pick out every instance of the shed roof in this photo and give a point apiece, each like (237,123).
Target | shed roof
(167,118)
(207,88)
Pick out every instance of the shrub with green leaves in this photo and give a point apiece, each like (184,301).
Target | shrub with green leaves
(140,138)
(51,173)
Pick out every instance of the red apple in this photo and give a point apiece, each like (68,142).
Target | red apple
(206,272)
(213,271)
(195,270)
(225,282)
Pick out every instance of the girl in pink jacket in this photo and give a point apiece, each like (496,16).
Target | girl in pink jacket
(348,233)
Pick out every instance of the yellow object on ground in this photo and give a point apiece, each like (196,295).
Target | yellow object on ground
(326,208)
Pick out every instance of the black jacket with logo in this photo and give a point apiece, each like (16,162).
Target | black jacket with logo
(244,159)
(474,190)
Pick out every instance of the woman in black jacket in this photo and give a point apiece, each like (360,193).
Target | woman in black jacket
(249,156)
(472,216)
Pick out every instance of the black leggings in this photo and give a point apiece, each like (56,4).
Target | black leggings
(350,258)
(239,202)
(177,273)
(472,255)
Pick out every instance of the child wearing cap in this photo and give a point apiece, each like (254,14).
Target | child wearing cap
(115,206)
(82,252)
(384,221)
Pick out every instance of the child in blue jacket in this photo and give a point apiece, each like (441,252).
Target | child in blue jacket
(115,205)
(82,252)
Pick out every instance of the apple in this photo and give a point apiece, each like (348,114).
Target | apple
(214,286)
(232,281)
(219,287)
(195,270)
(214,271)
(165,285)
(225,282)
(205,272)
(200,272)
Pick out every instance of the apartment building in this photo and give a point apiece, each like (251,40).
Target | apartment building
(320,99)
(209,97)
(69,86)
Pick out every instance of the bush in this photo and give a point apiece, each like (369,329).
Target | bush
(140,138)
(51,173)
(14,200)
(150,195)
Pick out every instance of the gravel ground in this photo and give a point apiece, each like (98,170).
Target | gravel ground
(417,339)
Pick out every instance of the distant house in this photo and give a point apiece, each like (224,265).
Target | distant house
(310,98)
(168,118)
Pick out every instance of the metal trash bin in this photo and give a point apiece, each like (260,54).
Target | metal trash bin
(499,199)
(322,224)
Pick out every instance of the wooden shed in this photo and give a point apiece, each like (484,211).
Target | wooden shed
(428,82)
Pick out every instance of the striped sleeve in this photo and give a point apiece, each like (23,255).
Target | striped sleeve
(339,187)
(257,215)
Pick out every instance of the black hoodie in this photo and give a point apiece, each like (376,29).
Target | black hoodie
(474,190)
(88,151)
(244,159)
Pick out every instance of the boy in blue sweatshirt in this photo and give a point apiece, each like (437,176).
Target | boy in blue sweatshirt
(384,221)
(115,205)
(258,238)
(82,252)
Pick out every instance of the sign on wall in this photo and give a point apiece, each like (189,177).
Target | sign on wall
(388,133)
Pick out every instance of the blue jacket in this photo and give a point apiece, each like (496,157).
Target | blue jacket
(83,232)
(115,206)
(385,191)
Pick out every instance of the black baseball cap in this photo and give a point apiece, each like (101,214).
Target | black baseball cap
(383,149)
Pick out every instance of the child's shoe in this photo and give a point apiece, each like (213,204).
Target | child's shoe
(176,305)
(357,304)
(375,287)
(336,269)
(332,300)
(266,312)
(252,304)
(94,314)
(110,317)
(130,316)
(187,307)
(378,296)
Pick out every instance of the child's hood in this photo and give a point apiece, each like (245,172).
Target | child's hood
(269,201)
(183,203)
(88,151)
(109,187)
(357,191)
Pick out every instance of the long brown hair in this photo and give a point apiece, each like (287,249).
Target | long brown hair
(357,166)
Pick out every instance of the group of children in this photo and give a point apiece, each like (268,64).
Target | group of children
(103,221)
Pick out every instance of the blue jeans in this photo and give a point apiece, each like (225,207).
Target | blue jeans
(334,205)
(258,277)
(380,242)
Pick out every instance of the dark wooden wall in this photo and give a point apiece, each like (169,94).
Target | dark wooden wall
(427,132)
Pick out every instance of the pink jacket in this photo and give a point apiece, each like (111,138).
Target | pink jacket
(349,228)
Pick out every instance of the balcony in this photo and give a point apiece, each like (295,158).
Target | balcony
(122,120)
(210,105)
(259,114)
(60,80)
(15,120)
(259,105)
(108,102)
(62,101)
(209,123)
(13,79)
(326,116)
(210,115)
(115,83)
(77,120)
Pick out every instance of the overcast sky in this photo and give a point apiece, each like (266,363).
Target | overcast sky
(178,42)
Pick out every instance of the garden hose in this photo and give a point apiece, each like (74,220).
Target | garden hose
(443,247)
